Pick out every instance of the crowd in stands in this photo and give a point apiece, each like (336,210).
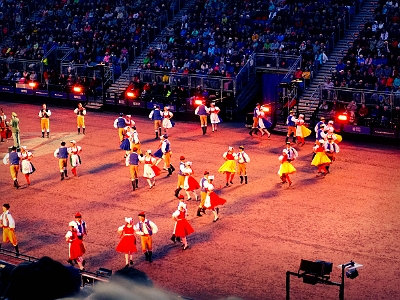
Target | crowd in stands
(372,66)
(217,37)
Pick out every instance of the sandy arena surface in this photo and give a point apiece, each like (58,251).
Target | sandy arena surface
(265,228)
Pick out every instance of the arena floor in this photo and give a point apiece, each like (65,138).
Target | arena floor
(265,228)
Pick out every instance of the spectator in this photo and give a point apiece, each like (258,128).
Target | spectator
(386,117)
(363,113)
(323,107)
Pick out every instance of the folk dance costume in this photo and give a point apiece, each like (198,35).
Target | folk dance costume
(135,142)
(127,141)
(181,176)
(127,244)
(128,121)
(182,227)
(291,124)
(190,184)
(76,248)
(203,193)
(145,229)
(15,132)
(331,148)
(27,167)
(80,112)
(301,130)
(44,115)
(8,225)
(263,124)
(321,134)
(229,166)
(62,155)
(74,158)
(214,116)
(292,153)
(13,159)
(184,205)
(286,167)
(132,161)
(320,160)
(150,170)
(164,152)
(256,115)
(242,159)
(212,199)
(331,131)
(120,124)
(318,125)
(166,122)
(156,116)
(4,129)
(202,111)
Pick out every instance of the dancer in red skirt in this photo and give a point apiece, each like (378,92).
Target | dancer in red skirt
(190,184)
(182,227)
(212,199)
(127,244)
(76,246)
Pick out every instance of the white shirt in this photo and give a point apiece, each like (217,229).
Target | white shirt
(83,111)
(153,226)
(243,157)
(7,220)
(42,115)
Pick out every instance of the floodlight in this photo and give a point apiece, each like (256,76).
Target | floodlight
(130,94)
(342,118)
(77,89)
(352,273)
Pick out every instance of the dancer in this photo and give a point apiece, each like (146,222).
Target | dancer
(331,148)
(127,244)
(44,115)
(127,141)
(146,228)
(321,133)
(4,130)
(150,170)
(212,199)
(62,155)
(181,176)
(164,152)
(214,117)
(202,111)
(8,225)
(80,226)
(318,125)
(256,115)
(76,248)
(120,124)
(74,158)
(243,159)
(229,166)
(182,227)
(263,124)
(320,160)
(331,131)
(286,167)
(291,123)
(135,142)
(80,112)
(292,153)
(128,121)
(166,122)
(132,161)
(13,159)
(301,130)
(27,167)
(203,194)
(156,116)
(190,184)
(14,124)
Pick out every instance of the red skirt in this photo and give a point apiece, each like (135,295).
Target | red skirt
(215,201)
(76,249)
(193,184)
(183,228)
(156,170)
(127,244)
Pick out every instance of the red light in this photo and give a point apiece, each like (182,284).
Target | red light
(265,109)
(342,117)
(198,102)
(77,89)
(130,94)
(32,84)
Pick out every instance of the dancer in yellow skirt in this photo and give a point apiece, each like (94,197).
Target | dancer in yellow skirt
(336,137)
(320,160)
(229,166)
(301,130)
(286,168)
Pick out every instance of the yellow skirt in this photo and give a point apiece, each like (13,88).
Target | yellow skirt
(229,167)
(286,168)
(305,131)
(338,138)
(320,158)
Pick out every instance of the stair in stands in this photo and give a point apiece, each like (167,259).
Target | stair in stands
(309,101)
(119,86)
(94,106)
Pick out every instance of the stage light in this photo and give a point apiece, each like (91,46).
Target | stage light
(351,273)
(343,117)
(32,84)
(77,89)
(198,102)
(130,94)
(265,109)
